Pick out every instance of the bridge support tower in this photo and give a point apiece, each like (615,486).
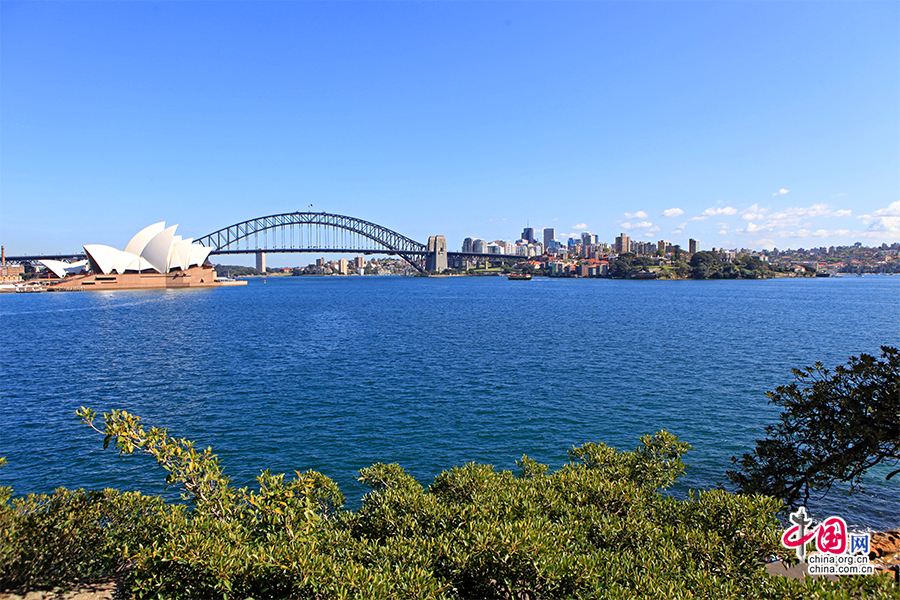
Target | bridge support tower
(436,259)
(261,262)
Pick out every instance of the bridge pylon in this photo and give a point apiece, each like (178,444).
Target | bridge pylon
(436,258)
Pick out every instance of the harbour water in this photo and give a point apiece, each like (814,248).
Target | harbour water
(337,373)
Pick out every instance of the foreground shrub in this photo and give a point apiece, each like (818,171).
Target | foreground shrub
(599,527)
(71,536)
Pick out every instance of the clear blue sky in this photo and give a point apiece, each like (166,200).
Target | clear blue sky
(758,124)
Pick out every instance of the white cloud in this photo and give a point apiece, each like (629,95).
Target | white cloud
(781,192)
(884,220)
(796,215)
(818,233)
(639,225)
(816,210)
(638,215)
(580,226)
(842,213)
(825,233)
(672,212)
(653,229)
(674,231)
(723,232)
(766,243)
(712,212)
(754,213)
(698,218)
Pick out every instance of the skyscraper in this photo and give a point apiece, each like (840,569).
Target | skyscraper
(623,244)
(693,246)
(528,235)
(549,234)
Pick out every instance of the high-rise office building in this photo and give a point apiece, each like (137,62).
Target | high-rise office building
(528,235)
(468,245)
(549,234)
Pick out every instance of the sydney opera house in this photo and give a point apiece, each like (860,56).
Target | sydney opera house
(154,258)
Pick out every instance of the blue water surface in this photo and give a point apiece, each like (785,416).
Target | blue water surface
(337,373)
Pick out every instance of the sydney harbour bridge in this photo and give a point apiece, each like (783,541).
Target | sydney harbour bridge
(322,233)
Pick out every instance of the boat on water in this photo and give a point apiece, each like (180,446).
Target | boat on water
(21,288)
(519,277)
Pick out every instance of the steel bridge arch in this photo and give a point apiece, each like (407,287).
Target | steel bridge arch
(228,239)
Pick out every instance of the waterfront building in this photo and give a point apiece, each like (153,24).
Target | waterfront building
(468,245)
(693,246)
(11,273)
(154,258)
(623,244)
(479,246)
(643,248)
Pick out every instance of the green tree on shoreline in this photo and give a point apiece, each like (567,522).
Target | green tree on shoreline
(835,426)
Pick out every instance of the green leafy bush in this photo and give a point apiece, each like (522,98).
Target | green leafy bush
(69,536)
(599,527)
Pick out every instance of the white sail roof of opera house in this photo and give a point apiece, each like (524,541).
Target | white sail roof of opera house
(61,269)
(154,247)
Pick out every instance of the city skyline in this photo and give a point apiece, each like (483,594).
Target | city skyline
(738,125)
